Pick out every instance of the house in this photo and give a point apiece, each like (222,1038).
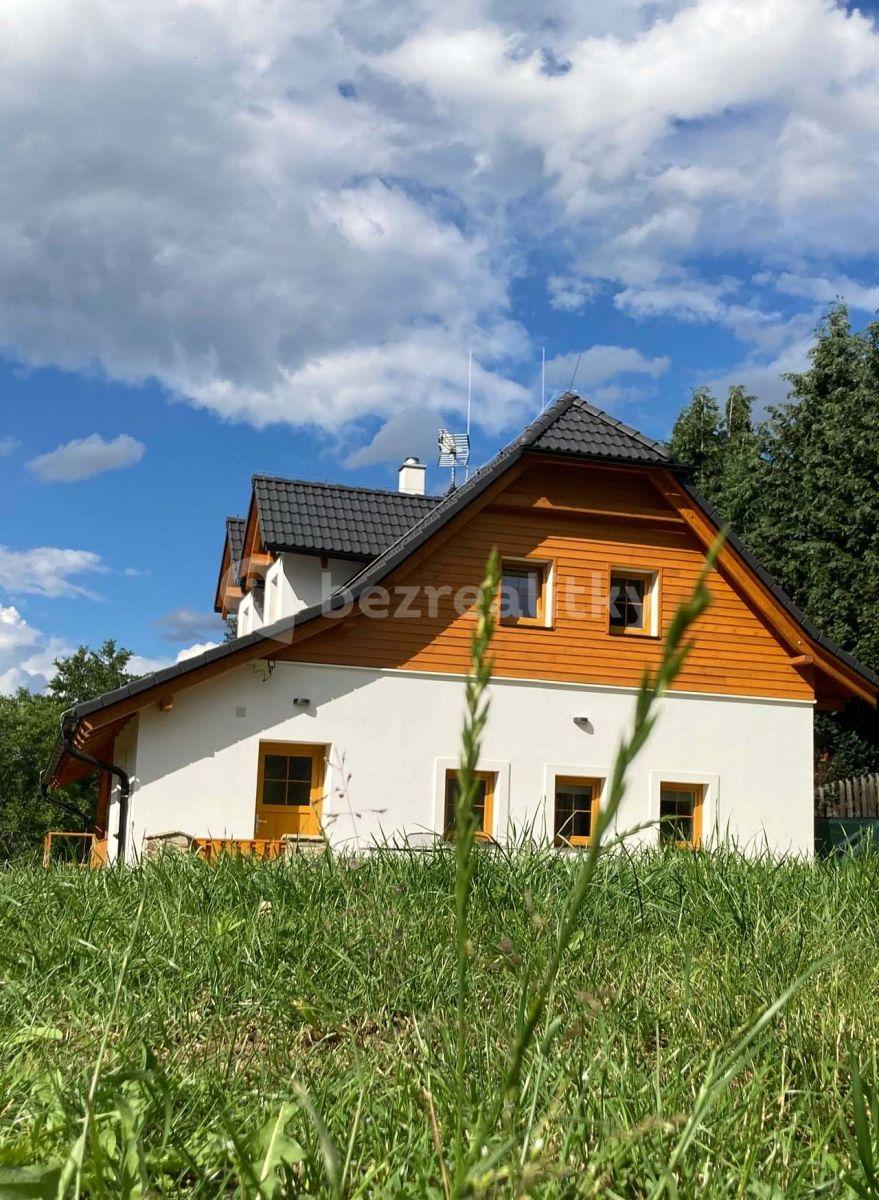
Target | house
(338,706)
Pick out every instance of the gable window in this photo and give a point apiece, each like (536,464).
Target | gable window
(483,804)
(576,810)
(632,601)
(680,814)
(523,593)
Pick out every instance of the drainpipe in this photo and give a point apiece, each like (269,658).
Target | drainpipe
(64,806)
(112,769)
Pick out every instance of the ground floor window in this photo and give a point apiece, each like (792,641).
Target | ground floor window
(483,803)
(576,810)
(680,814)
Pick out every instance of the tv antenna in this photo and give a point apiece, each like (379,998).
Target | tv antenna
(454,451)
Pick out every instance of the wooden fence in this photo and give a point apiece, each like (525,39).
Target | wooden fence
(848,798)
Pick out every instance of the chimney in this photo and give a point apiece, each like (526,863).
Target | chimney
(412,474)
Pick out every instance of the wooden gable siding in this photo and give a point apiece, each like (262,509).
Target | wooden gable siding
(584,520)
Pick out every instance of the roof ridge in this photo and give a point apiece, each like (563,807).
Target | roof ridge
(630,430)
(345,487)
(541,423)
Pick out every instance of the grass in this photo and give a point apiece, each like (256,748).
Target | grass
(463,1022)
(325,992)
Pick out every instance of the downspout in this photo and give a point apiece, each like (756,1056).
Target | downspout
(111,769)
(64,806)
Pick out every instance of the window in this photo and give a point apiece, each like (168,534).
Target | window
(576,810)
(523,593)
(680,814)
(287,779)
(483,804)
(632,602)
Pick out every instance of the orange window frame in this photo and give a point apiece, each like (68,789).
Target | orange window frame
(531,566)
(650,609)
(562,781)
(697,792)
(490,779)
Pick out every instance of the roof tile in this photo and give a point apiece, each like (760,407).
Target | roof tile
(324,518)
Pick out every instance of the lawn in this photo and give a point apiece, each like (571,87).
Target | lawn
(296,1021)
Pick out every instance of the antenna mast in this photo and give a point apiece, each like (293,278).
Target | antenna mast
(542,378)
(574,372)
(469,405)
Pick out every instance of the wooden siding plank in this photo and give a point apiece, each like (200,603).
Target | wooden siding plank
(736,651)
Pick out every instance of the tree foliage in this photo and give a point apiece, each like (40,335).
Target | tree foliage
(29,725)
(802,489)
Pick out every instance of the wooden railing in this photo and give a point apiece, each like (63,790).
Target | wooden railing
(848,798)
(79,849)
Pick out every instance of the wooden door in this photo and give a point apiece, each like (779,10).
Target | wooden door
(289,791)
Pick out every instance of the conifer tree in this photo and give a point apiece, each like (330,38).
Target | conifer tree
(802,491)
(697,441)
(740,486)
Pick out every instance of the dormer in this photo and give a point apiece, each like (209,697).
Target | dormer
(301,541)
(229,591)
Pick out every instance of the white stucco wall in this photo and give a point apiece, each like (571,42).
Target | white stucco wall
(292,583)
(302,580)
(394,733)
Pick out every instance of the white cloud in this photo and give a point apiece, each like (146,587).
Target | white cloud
(227,221)
(84,457)
(856,295)
(599,364)
(193,650)
(8,446)
(765,379)
(567,293)
(411,431)
(47,571)
(26,655)
(142,664)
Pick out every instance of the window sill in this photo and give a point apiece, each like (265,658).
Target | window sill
(638,634)
(506,623)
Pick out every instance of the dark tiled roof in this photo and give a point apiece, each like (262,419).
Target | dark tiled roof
(582,429)
(326,518)
(235,534)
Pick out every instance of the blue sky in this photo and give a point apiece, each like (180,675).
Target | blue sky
(263,236)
